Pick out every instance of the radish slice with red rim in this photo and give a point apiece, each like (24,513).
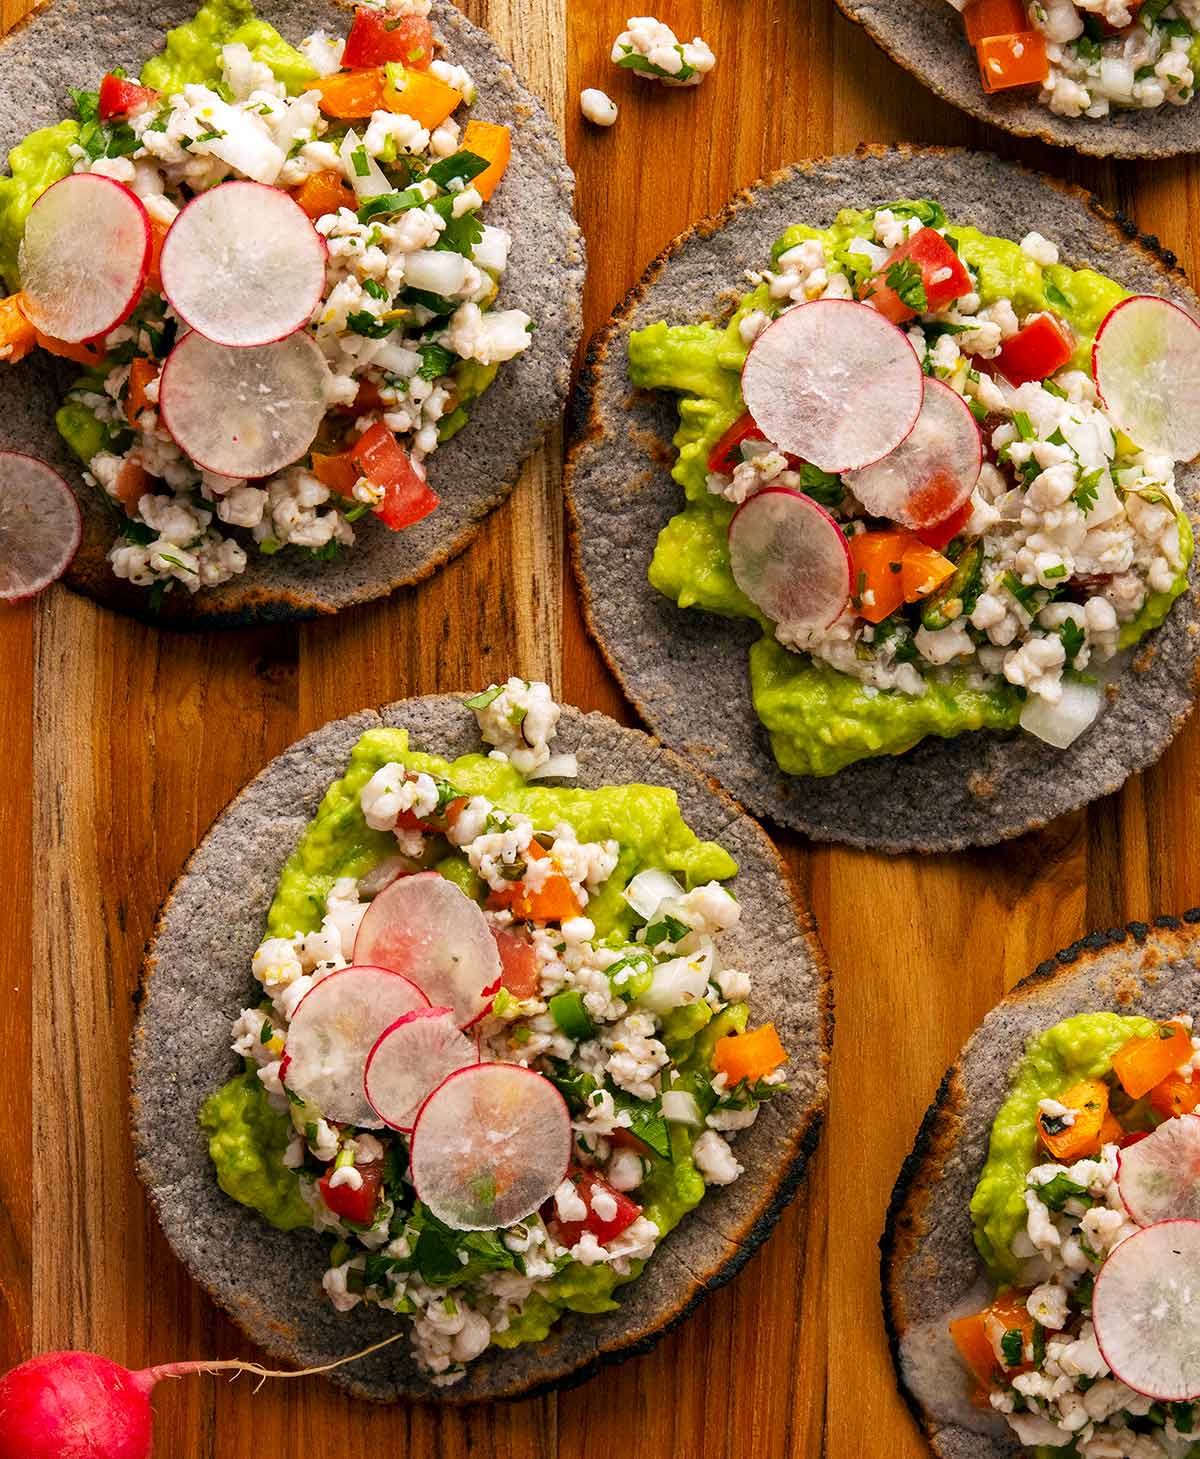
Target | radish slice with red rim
(1159,1177)
(410,1059)
(791,558)
(84,257)
(1146,362)
(933,472)
(243,264)
(333,1030)
(40,526)
(491,1144)
(1146,1311)
(426,928)
(833,382)
(244,412)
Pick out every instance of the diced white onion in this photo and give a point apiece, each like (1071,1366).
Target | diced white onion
(680,1108)
(1061,724)
(383,875)
(373,183)
(680,981)
(557,767)
(649,889)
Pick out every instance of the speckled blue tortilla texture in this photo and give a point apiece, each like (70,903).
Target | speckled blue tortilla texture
(930,1264)
(686,671)
(69,44)
(928,38)
(198,978)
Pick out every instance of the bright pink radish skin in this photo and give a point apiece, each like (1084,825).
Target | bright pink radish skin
(791,559)
(40,526)
(85,257)
(834,383)
(1146,364)
(412,1058)
(243,264)
(933,472)
(75,1405)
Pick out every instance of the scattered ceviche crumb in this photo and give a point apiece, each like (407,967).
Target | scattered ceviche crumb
(1084,1215)
(373,304)
(598,107)
(1089,57)
(652,49)
(511,1131)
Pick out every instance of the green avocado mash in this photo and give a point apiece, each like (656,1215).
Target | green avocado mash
(247,1138)
(192,54)
(819,719)
(1078,1048)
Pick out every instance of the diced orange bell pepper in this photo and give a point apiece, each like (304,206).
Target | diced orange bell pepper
(141,372)
(493,142)
(82,354)
(1006,61)
(1176,1096)
(878,559)
(975,1347)
(994,17)
(1089,1100)
(421,95)
(553,901)
(749,1056)
(133,482)
(1112,1132)
(339,473)
(353,94)
(17,336)
(324,192)
(158,236)
(922,571)
(1141,1064)
(1009,1313)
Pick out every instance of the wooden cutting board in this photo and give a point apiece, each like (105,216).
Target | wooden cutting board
(123,743)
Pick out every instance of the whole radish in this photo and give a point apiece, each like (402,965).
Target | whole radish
(76,1405)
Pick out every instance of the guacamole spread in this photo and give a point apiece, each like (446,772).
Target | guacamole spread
(604,956)
(1025,593)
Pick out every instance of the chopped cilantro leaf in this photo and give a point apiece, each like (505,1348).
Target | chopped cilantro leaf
(904,278)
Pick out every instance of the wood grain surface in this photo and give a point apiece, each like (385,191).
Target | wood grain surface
(123,743)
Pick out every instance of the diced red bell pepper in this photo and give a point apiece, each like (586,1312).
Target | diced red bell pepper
(408,497)
(518,963)
(119,97)
(374,40)
(587,1183)
(944,532)
(943,277)
(358,1205)
(1036,351)
(727,453)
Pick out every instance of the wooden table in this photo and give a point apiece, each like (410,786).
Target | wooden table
(134,739)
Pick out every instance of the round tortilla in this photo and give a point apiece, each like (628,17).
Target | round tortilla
(197,974)
(686,671)
(927,37)
(931,1271)
(472,473)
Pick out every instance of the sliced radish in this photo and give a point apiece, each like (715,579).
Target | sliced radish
(84,258)
(1146,360)
(426,928)
(932,473)
(40,526)
(243,264)
(1159,1177)
(1146,1309)
(244,412)
(491,1144)
(333,1030)
(833,382)
(791,558)
(410,1059)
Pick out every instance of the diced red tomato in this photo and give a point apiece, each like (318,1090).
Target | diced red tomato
(1035,352)
(943,276)
(727,453)
(374,40)
(408,497)
(518,963)
(359,1205)
(119,97)
(944,532)
(604,1229)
